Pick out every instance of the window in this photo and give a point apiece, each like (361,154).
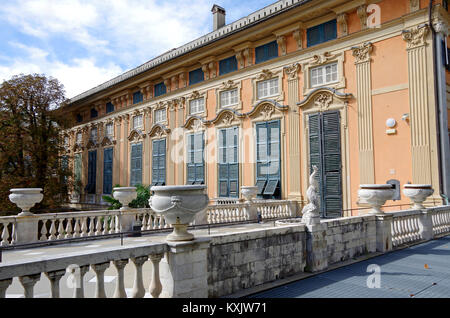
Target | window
(79,118)
(66,141)
(228,65)
(78,167)
(93,136)
(195,162)
(94,113)
(228,163)
(159,162)
(160,89)
(109,130)
(322,33)
(268,88)
(160,116)
(137,97)
(323,75)
(107,170)
(109,107)
(229,98)
(137,121)
(196,106)
(92,172)
(266,52)
(196,76)
(136,164)
(79,138)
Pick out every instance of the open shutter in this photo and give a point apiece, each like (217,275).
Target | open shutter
(107,170)
(315,148)
(92,171)
(162,162)
(155,161)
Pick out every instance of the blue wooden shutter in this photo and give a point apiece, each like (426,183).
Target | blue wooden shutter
(160,89)
(92,172)
(266,52)
(228,65)
(195,164)
(79,118)
(330,30)
(196,76)
(228,162)
(107,170)
(94,113)
(159,162)
(137,97)
(136,164)
(109,107)
(322,33)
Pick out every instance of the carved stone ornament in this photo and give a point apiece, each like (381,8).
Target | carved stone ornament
(322,58)
(281,41)
(292,71)
(416,37)
(196,125)
(228,85)
(342,21)
(362,14)
(267,110)
(310,213)
(362,53)
(266,74)
(323,101)
(195,95)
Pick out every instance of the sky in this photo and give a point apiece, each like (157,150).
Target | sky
(84,43)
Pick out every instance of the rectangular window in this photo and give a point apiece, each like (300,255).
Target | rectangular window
(268,88)
(94,134)
(109,107)
(136,165)
(266,52)
(229,98)
(137,97)
(228,162)
(228,65)
(196,76)
(323,75)
(79,118)
(79,138)
(78,167)
(196,106)
(137,122)
(268,160)
(160,89)
(159,162)
(160,116)
(94,113)
(195,160)
(322,33)
(66,141)
(92,172)
(109,130)
(107,170)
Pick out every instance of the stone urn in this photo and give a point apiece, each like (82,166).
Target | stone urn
(26,198)
(179,205)
(125,195)
(375,195)
(418,193)
(249,193)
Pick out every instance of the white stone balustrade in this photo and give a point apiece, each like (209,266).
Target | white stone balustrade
(54,268)
(440,220)
(406,227)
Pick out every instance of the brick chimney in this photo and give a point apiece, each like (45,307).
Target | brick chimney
(218,17)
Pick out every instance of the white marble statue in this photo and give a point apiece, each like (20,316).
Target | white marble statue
(311,211)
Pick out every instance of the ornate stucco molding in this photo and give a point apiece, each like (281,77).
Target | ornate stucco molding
(416,37)
(297,34)
(342,21)
(362,53)
(281,41)
(292,71)
(414,5)
(362,14)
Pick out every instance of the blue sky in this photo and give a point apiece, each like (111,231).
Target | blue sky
(84,43)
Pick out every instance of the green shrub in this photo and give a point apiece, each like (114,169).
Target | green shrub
(143,195)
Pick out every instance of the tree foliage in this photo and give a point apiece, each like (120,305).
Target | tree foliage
(143,195)
(30,139)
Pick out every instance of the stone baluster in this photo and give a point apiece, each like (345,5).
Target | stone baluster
(105,225)
(52,231)
(99,270)
(28,283)
(69,228)
(112,226)
(84,232)
(54,278)
(155,286)
(120,285)
(91,226)
(138,285)
(5,235)
(60,229)
(4,284)
(43,236)
(98,226)
(76,229)
(79,284)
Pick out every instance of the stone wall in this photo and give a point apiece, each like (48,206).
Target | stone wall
(350,237)
(238,261)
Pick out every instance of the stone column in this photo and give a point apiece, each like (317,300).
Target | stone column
(180,149)
(384,232)
(293,132)
(316,247)
(169,144)
(116,151)
(125,154)
(183,270)
(364,100)
(421,106)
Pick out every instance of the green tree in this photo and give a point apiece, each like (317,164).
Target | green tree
(31,152)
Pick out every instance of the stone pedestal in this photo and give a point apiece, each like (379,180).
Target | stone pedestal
(251,212)
(26,229)
(384,232)
(183,270)
(426,225)
(316,247)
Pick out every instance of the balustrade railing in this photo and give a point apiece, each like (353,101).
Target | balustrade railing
(440,220)
(7,231)
(78,264)
(405,227)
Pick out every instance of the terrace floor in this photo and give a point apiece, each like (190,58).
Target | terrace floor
(420,271)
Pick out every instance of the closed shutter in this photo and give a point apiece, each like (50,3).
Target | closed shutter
(325,153)
(78,167)
(159,162)
(107,170)
(92,172)
(160,89)
(196,76)
(136,164)
(109,107)
(228,65)
(321,33)
(195,161)
(228,162)
(266,52)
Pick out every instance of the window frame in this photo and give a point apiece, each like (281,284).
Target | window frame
(324,74)
(262,49)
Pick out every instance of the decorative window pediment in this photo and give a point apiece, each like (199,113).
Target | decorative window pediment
(159,131)
(323,99)
(321,64)
(108,141)
(136,135)
(267,109)
(227,117)
(91,144)
(194,123)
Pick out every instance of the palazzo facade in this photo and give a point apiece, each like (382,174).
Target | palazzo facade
(358,88)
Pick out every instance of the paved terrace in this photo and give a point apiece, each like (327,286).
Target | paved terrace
(420,271)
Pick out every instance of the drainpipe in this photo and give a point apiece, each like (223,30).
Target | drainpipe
(438,106)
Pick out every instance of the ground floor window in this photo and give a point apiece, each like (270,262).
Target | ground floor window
(92,172)
(228,162)
(136,164)
(159,162)
(195,161)
(107,170)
